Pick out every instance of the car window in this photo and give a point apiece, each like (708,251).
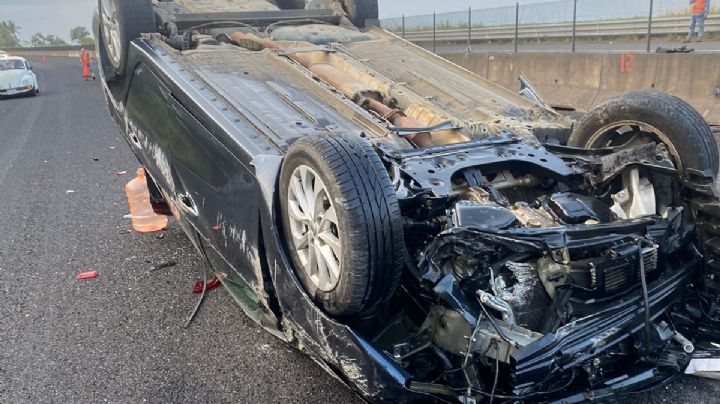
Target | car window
(12,65)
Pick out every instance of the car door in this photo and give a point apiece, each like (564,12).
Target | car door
(215,189)
(29,69)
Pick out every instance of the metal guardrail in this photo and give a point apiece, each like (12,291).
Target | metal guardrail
(660,26)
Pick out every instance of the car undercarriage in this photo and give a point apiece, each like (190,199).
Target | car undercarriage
(479,244)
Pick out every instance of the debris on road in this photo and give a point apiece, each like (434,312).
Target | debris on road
(70,191)
(704,367)
(121,172)
(166,264)
(86,275)
(212,284)
(127,216)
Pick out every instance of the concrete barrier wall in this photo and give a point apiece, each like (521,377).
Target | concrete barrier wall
(582,80)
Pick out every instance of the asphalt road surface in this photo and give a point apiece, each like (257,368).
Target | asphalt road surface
(119,338)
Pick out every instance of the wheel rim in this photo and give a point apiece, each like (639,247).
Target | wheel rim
(314,227)
(111,31)
(633,133)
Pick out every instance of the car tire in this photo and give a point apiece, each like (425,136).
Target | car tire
(671,120)
(291,4)
(361,11)
(122,21)
(367,223)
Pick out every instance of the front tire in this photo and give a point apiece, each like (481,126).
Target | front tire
(643,116)
(122,21)
(341,222)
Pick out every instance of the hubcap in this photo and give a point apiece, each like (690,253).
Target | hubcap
(111,31)
(314,226)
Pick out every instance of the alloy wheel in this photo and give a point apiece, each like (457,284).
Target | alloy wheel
(314,225)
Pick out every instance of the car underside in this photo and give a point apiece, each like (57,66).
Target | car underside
(471,243)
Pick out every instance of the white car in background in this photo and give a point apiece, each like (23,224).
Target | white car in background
(17,77)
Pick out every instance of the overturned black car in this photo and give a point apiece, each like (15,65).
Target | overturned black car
(420,232)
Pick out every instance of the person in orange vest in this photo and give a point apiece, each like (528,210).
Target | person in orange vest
(86,60)
(700,11)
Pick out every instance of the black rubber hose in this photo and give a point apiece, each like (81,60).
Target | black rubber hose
(447,365)
(646,299)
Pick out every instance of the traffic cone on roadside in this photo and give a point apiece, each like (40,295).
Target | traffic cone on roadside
(144,219)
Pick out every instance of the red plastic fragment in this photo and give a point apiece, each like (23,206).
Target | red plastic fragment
(216,227)
(212,284)
(86,275)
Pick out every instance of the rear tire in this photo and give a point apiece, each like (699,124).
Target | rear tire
(122,21)
(355,210)
(673,122)
(360,12)
(291,4)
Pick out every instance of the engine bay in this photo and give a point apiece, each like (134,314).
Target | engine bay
(517,253)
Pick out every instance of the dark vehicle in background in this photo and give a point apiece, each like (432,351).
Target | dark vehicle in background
(418,231)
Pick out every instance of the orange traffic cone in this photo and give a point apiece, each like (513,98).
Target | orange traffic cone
(144,219)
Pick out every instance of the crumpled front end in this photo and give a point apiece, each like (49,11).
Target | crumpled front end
(570,275)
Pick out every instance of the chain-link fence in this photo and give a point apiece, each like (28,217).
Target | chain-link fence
(557,21)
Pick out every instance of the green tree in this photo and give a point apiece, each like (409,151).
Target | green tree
(39,39)
(9,34)
(81,35)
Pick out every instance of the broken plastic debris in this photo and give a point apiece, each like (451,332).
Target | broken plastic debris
(87,275)
(70,191)
(212,284)
(127,216)
(167,264)
(704,367)
(121,172)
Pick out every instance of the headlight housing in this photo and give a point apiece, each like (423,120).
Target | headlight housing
(26,82)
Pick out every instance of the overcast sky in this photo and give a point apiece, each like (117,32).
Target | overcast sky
(59,16)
